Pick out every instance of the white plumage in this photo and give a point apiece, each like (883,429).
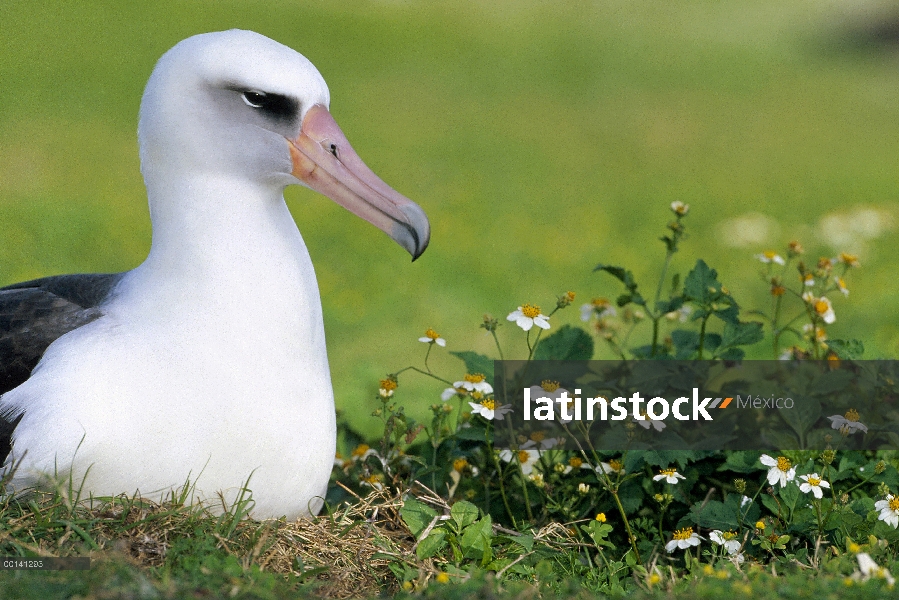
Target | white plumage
(209,362)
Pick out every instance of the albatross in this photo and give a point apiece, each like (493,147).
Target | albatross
(207,362)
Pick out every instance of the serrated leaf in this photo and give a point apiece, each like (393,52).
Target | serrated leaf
(476,363)
(847,349)
(741,334)
(700,283)
(568,343)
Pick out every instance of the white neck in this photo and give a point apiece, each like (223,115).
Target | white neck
(222,248)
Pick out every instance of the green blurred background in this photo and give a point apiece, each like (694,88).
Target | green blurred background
(540,137)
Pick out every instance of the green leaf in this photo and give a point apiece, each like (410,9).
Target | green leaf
(741,334)
(804,414)
(741,461)
(432,544)
(525,540)
(417,516)
(789,495)
(627,278)
(464,513)
(701,283)
(568,343)
(847,349)
(476,539)
(714,515)
(476,363)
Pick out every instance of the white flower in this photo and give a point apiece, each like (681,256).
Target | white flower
(583,488)
(889,510)
(613,466)
(681,314)
(669,475)
(745,500)
(599,307)
(822,307)
(813,484)
(869,568)
(646,422)
(474,382)
(526,458)
(450,392)
(841,285)
(432,337)
(573,463)
(527,316)
(726,539)
(683,539)
(551,390)
(489,410)
(540,443)
(849,423)
(781,469)
(770,256)
(679,208)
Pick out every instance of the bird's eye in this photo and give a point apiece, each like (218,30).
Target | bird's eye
(254,99)
(333,150)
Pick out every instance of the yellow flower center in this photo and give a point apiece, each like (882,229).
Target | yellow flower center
(821,306)
(523,456)
(600,302)
(477,395)
(668,472)
(538,436)
(575,462)
(814,481)
(852,415)
(442,578)
(459,464)
(894,503)
(616,465)
(570,296)
(489,404)
(601,517)
(530,310)
(683,534)
(783,464)
(388,384)
(728,535)
(769,254)
(549,386)
(432,334)
(360,450)
(474,377)
(759,524)
(849,259)
(374,478)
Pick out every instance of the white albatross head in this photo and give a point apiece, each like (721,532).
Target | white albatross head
(236,104)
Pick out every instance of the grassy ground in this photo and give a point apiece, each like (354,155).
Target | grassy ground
(540,140)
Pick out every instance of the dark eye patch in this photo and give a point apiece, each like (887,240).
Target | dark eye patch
(275,106)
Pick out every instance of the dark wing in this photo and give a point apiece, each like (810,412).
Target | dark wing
(32,315)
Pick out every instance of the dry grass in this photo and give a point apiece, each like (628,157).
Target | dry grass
(347,552)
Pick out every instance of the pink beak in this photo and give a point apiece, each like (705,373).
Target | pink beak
(324,160)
